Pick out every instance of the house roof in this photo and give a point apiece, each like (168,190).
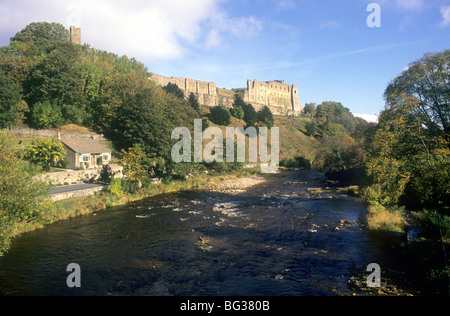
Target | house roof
(86,146)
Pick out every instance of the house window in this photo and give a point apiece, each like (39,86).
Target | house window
(106,157)
(86,158)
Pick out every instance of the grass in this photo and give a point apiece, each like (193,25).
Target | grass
(381,219)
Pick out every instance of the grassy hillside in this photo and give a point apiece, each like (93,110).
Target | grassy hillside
(293,141)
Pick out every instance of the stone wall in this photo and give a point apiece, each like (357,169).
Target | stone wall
(47,133)
(281,98)
(275,94)
(206,92)
(75,194)
(70,177)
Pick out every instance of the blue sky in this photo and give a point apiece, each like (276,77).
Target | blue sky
(324,46)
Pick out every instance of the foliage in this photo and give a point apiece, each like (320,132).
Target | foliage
(193,101)
(237,112)
(43,35)
(45,152)
(220,115)
(265,116)
(298,162)
(21,197)
(409,153)
(12,107)
(172,88)
(46,115)
(115,187)
(135,163)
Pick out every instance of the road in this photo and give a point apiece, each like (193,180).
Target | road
(77,187)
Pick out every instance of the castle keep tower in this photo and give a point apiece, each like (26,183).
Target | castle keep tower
(75,35)
(274,94)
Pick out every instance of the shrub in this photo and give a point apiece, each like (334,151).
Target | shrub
(116,187)
(220,115)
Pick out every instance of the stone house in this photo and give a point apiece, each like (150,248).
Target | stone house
(86,153)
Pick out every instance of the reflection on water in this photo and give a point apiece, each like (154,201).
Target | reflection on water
(275,239)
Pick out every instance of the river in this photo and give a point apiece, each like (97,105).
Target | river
(278,238)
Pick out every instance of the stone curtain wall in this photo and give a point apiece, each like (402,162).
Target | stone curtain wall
(206,92)
(281,98)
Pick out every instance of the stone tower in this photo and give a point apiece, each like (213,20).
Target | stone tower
(75,35)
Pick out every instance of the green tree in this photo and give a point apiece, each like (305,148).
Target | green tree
(58,79)
(12,107)
(250,114)
(409,152)
(175,90)
(43,35)
(193,101)
(427,81)
(220,115)
(22,197)
(46,115)
(310,110)
(265,116)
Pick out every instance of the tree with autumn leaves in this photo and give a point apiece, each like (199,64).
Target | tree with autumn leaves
(409,152)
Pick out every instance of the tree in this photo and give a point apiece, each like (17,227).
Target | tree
(12,107)
(220,115)
(175,90)
(22,197)
(409,154)
(46,115)
(426,80)
(265,116)
(193,101)
(45,152)
(310,110)
(43,35)
(57,78)
(250,114)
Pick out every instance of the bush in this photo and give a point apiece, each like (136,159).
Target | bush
(220,115)
(116,187)
(237,112)
(297,162)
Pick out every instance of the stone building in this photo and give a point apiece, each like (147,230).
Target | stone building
(281,98)
(278,95)
(75,35)
(86,153)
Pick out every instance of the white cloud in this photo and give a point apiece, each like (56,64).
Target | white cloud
(371,118)
(151,30)
(445,11)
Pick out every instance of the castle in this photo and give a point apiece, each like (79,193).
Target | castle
(281,98)
(75,35)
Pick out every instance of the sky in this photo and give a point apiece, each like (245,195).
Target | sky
(335,50)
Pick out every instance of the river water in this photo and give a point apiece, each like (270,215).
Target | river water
(275,239)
